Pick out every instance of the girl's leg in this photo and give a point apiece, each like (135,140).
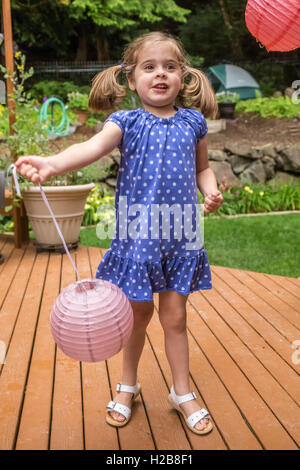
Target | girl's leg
(142,313)
(172,315)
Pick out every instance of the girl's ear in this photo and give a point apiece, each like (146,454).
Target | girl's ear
(131,84)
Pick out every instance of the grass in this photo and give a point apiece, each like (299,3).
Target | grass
(268,244)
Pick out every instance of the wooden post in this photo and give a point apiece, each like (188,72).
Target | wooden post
(19,214)
(9,61)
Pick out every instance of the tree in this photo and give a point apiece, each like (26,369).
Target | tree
(114,15)
(56,26)
(43,28)
(231,32)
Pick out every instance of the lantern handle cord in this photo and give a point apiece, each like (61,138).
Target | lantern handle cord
(15,177)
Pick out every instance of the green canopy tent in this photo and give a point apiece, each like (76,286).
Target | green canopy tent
(226,77)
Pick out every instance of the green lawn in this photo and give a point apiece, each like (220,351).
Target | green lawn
(268,244)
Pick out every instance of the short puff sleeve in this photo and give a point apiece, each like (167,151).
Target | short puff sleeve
(119,118)
(198,122)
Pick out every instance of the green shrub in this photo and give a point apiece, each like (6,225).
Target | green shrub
(99,206)
(77,100)
(6,223)
(49,88)
(253,198)
(281,107)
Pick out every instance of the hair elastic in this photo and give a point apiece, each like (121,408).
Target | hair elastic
(123,68)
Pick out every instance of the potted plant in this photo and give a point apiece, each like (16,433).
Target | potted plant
(226,103)
(67,202)
(66,194)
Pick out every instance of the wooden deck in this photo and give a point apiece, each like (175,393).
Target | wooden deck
(241,362)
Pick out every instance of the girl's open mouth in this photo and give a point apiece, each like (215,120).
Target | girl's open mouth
(160,87)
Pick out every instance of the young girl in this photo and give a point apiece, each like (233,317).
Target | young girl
(163,161)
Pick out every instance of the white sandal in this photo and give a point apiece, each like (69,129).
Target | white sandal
(194,418)
(122,409)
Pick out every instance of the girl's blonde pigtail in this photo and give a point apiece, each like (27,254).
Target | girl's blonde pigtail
(199,93)
(106,90)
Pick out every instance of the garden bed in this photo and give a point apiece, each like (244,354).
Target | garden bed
(246,128)
(251,129)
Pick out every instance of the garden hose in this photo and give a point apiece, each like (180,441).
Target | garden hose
(63,127)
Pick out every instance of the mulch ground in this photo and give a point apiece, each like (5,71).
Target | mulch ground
(254,130)
(248,129)
(244,129)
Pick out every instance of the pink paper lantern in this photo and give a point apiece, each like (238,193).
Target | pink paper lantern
(91,320)
(274,23)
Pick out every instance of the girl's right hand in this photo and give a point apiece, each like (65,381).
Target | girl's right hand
(36,169)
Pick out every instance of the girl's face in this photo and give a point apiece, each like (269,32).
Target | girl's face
(157,77)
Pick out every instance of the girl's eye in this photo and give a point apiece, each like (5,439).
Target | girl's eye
(171,67)
(149,67)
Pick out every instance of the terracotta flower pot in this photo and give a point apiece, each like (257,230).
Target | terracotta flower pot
(67,204)
(82,116)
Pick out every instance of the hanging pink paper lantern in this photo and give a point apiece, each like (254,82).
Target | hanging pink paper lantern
(91,320)
(274,23)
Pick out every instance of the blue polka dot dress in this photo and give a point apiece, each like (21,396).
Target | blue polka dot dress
(157,243)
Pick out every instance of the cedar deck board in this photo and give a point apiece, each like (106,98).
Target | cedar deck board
(240,338)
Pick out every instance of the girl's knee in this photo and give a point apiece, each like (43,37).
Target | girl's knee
(142,313)
(172,311)
(173,320)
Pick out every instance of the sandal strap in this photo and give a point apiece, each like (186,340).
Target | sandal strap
(114,406)
(195,417)
(178,399)
(127,388)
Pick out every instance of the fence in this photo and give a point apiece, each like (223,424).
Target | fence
(66,70)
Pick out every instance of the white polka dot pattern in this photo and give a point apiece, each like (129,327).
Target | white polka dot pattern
(157,169)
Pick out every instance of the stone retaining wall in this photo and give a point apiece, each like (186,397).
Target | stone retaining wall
(243,163)
(235,163)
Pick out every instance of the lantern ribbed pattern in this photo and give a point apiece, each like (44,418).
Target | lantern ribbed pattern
(274,23)
(91,320)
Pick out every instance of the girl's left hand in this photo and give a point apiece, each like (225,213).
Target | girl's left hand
(212,202)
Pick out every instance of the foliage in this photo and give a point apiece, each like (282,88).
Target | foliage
(271,77)
(36,24)
(88,174)
(58,89)
(227,97)
(77,100)
(36,27)
(205,33)
(280,107)
(94,117)
(4,125)
(195,61)
(246,199)
(29,137)
(18,78)
(99,206)
(131,100)
(123,13)
(6,223)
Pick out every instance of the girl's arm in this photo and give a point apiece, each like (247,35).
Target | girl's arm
(206,180)
(39,169)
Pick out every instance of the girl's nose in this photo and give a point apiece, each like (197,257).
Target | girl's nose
(160,71)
